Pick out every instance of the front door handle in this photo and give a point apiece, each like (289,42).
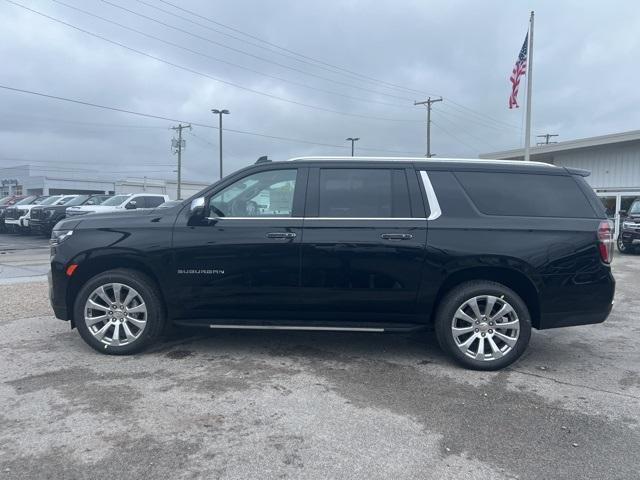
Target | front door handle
(281,235)
(396,236)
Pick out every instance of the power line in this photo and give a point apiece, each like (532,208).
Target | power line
(243,52)
(469,134)
(197,124)
(471,147)
(333,66)
(190,70)
(469,119)
(220,60)
(336,67)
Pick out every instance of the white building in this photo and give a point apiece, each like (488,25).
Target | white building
(33,179)
(613,160)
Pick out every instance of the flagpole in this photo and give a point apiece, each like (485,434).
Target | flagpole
(527,135)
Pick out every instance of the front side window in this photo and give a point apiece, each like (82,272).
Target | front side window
(153,202)
(635,208)
(363,193)
(264,194)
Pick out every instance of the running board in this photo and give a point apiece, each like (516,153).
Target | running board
(296,327)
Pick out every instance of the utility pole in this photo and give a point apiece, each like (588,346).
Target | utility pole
(178,145)
(215,111)
(428,102)
(352,140)
(546,137)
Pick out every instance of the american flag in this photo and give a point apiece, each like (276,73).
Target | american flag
(519,70)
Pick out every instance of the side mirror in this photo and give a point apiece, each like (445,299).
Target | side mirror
(131,205)
(197,207)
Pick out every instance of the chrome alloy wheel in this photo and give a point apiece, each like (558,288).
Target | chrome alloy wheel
(115,314)
(485,327)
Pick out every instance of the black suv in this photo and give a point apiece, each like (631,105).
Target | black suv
(482,251)
(44,218)
(629,236)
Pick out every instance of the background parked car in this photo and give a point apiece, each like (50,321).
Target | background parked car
(6,202)
(44,217)
(120,203)
(13,214)
(629,237)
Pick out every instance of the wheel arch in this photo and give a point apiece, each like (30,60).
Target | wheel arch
(514,279)
(90,268)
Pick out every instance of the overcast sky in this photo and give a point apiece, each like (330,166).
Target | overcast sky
(318,71)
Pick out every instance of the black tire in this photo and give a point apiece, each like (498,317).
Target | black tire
(622,247)
(456,298)
(147,289)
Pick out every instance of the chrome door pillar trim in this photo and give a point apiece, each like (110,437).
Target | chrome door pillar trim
(434,206)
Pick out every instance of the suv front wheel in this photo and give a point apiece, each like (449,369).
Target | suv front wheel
(119,312)
(483,325)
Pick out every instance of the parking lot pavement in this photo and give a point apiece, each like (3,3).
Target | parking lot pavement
(243,405)
(23,258)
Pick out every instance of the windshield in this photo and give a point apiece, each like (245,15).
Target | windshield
(5,200)
(27,201)
(79,200)
(66,201)
(97,200)
(49,201)
(117,200)
(635,208)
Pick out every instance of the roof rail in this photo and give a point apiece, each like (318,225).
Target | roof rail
(423,159)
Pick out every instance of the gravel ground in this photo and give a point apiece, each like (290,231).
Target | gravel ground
(240,405)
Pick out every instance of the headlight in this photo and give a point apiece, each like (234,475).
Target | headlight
(59,236)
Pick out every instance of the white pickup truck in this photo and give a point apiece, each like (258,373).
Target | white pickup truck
(121,202)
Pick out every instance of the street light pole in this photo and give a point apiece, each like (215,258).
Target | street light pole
(352,140)
(220,113)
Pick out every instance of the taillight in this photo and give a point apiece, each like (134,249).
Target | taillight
(605,240)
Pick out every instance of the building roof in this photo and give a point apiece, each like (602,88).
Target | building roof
(544,152)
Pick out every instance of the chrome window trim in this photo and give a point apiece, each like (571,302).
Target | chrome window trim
(434,205)
(321,218)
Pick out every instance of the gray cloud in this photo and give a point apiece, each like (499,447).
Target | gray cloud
(583,85)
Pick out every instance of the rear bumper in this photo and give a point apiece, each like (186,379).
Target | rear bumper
(576,300)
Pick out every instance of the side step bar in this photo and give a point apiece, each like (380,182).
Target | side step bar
(296,327)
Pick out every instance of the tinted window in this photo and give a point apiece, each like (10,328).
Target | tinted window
(529,195)
(363,193)
(264,194)
(79,200)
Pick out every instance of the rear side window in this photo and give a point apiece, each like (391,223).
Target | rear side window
(528,195)
(363,193)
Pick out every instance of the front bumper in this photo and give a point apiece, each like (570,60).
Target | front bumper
(630,236)
(43,225)
(58,284)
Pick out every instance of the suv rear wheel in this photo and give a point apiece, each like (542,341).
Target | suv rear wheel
(119,312)
(483,325)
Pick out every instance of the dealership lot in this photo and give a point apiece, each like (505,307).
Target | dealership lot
(299,405)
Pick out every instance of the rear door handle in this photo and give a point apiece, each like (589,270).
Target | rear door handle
(396,236)
(281,235)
